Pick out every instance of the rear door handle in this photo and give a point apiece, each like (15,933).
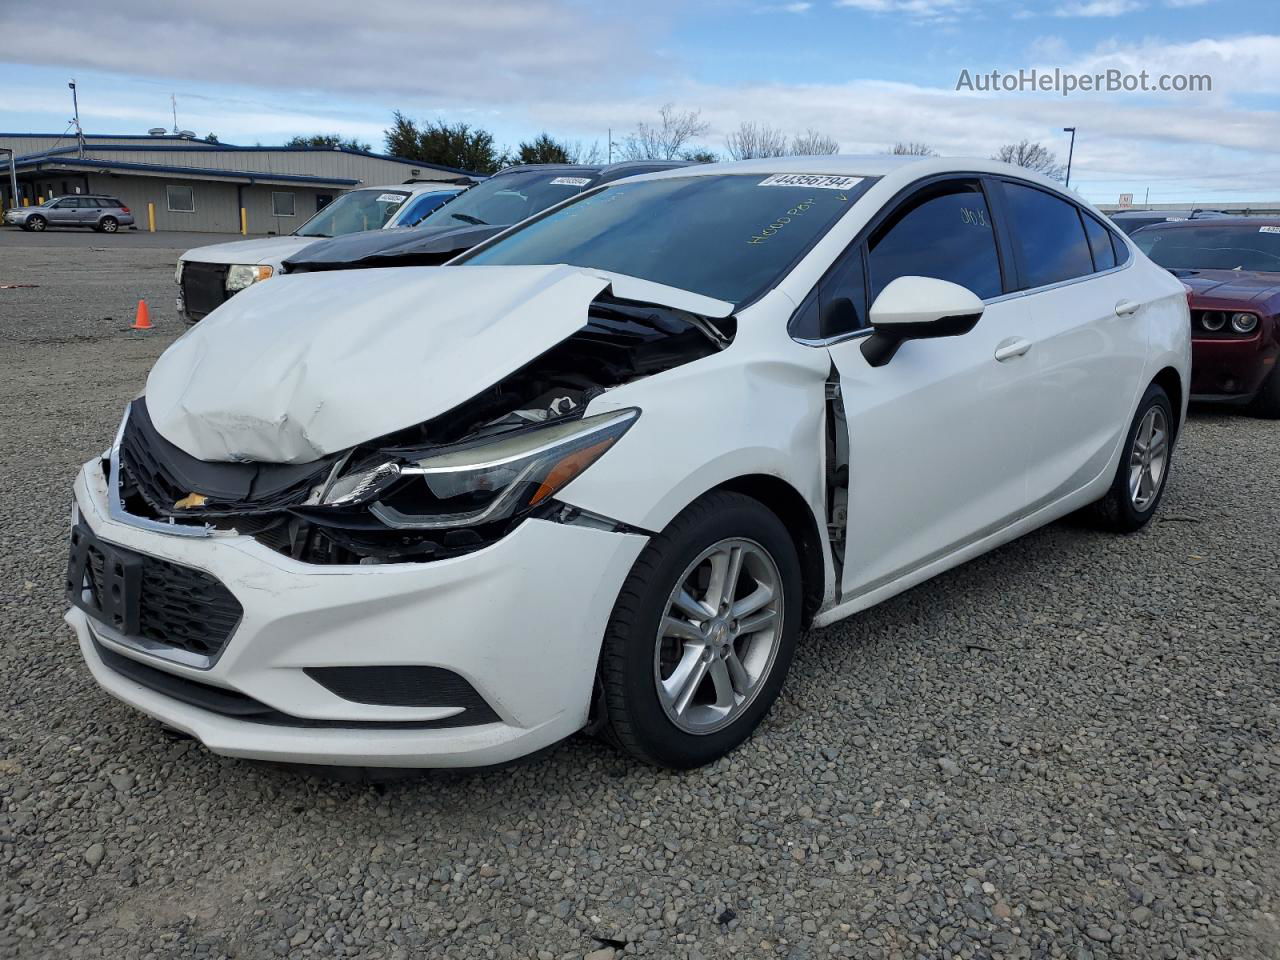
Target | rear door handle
(1127,308)
(1012,348)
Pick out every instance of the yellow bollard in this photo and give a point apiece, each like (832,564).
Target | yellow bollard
(39,200)
(151,217)
(244,222)
(26,202)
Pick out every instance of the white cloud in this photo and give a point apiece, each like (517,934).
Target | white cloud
(1098,8)
(1186,3)
(1243,65)
(913,9)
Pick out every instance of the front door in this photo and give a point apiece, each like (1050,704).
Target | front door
(939,436)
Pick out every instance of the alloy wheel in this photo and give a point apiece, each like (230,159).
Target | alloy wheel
(1148,459)
(719,636)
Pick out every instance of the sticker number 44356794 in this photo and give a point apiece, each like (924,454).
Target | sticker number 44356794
(810,180)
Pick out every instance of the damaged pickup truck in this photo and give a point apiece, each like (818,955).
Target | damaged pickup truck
(601,471)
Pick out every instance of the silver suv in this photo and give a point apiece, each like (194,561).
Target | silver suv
(105,214)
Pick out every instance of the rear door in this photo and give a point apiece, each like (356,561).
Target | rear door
(938,437)
(1088,334)
(88,210)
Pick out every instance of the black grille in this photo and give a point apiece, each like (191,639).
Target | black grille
(405,686)
(204,287)
(147,597)
(231,703)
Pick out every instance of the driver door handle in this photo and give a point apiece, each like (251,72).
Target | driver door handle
(1012,348)
(1127,308)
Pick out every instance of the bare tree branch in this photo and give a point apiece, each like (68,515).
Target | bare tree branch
(666,139)
(752,140)
(1032,156)
(811,143)
(913,148)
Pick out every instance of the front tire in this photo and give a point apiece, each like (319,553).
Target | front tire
(1267,403)
(702,633)
(1140,477)
(109,225)
(35,224)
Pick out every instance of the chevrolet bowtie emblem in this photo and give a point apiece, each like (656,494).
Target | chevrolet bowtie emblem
(191,500)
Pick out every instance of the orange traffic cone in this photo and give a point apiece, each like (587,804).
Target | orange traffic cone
(143,319)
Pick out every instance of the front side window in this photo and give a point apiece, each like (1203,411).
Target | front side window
(354,212)
(282,204)
(1234,247)
(1048,237)
(944,232)
(181,199)
(728,236)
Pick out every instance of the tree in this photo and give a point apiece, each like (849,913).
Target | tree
(913,149)
(752,140)
(667,139)
(210,138)
(811,143)
(589,155)
(700,155)
(1032,156)
(543,150)
(327,141)
(444,144)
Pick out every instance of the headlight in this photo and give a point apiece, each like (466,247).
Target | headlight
(177,273)
(1213,320)
(480,482)
(1243,322)
(243,275)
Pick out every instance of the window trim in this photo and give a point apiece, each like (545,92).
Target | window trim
(284,193)
(168,199)
(886,211)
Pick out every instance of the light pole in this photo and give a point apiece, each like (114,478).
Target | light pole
(1070,151)
(75,103)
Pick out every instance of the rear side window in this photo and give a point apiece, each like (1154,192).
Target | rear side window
(1104,256)
(944,231)
(1048,237)
(1120,249)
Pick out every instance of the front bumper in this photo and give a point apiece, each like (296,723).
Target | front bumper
(520,620)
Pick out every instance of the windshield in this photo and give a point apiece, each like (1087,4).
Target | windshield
(729,236)
(1213,247)
(353,212)
(508,199)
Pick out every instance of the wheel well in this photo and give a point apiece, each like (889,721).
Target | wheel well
(1171,383)
(792,509)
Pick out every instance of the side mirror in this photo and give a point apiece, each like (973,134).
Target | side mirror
(918,308)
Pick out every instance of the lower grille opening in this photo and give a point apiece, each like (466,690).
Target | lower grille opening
(230,703)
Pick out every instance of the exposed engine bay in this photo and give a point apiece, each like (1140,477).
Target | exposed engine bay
(390,499)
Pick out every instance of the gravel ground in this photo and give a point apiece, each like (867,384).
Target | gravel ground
(1065,749)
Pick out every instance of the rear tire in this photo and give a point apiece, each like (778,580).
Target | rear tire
(1143,470)
(682,685)
(109,225)
(35,223)
(1267,402)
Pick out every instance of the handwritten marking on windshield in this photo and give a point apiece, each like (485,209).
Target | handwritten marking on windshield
(797,211)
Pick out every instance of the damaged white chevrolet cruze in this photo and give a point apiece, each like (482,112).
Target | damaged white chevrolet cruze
(603,471)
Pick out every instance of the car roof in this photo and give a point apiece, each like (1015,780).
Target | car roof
(1187,211)
(1225,221)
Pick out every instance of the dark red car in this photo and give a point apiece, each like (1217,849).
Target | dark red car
(1232,266)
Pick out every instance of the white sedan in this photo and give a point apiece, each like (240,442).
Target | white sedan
(605,470)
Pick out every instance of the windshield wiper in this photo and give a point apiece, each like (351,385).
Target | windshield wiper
(467,218)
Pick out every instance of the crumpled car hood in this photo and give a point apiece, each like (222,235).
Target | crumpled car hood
(304,366)
(384,248)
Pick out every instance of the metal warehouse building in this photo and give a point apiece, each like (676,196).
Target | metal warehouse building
(195,184)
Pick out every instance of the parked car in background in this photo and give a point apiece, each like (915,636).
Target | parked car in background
(509,196)
(1233,269)
(208,276)
(95,210)
(602,471)
(1131,220)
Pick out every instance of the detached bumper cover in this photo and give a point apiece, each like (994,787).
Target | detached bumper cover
(521,621)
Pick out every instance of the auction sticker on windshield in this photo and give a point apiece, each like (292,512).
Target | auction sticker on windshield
(809,180)
(389,198)
(571,181)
